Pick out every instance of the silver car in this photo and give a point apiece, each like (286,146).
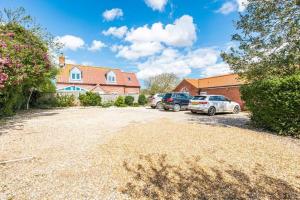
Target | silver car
(156,101)
(212,104)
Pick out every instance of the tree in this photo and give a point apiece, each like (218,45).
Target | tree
(25,65)
(268,40)
(165,82)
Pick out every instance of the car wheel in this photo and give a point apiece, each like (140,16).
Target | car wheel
(166,108)
(236,110)
(176,108)
(159,105)
(193,111)
(211,111)
(153,107)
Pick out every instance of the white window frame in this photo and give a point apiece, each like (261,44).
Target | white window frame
(77,74)
(111,77)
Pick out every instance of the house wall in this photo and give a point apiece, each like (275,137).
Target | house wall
(106,89)
(231,92)
(184,85)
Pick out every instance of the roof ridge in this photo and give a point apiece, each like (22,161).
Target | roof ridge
(217,76)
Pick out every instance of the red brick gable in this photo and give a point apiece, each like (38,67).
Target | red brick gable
(97,75)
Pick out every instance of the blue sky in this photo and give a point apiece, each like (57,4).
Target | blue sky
(156,36)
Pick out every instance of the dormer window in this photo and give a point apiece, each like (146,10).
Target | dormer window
(111,77)
(75,74)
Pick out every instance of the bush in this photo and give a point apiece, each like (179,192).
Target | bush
(45,101)
(136,105)
(107,104)
(65,100)
(275,104)
(142,99)
(120,102)
(129,100)
(90,99)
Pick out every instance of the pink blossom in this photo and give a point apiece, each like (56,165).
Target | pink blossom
(3,77)
(10,34)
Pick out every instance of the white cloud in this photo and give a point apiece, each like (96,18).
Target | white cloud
(157,4)
(242,5)
(232,6)
(70,61)
(180,34)
(96,45)
(112,14)
(172,61)
(117,32)
(70,42)
(227,8)
(138,50)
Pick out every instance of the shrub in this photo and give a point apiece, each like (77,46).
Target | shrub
(275,104)
(136,105)
(45,101)
(129,100)
(120,102)
(90,99)
(107,104)
(142,99)
(65,100)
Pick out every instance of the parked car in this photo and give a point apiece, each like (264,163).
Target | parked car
(176,101)
(212,104)
(156,101)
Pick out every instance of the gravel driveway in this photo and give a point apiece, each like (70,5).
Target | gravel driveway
(79,153)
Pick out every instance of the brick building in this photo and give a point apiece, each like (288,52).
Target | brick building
(227,85)
(73,77)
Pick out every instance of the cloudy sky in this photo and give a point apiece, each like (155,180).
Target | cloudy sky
(148,37)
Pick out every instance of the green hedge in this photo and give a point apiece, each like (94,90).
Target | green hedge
(142,99)
(120,102)
(65,100)
(275,104)
(90,99)
(129,100)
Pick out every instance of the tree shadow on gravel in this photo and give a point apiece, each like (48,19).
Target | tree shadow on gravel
(154,178)
(17,122)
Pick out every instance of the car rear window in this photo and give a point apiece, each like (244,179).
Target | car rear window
(168,95)
(199,98)
(161,95)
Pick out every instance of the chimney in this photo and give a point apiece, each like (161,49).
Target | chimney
(61,60)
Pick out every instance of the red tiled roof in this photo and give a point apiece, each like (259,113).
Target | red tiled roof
(216,81)
(97,75)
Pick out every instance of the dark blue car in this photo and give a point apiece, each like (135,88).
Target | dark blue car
(176,101)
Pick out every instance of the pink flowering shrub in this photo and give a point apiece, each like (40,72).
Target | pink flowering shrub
(24,65)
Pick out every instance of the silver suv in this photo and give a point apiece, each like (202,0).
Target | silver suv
(156,101)
(212,104)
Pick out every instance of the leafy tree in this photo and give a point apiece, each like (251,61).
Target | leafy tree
(165,82)
(268,40)
(25,64)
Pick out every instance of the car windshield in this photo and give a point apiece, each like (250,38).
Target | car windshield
(199,98)
(168,95)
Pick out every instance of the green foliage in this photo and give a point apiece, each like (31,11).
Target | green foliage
(90,99)
(162,83)
(142,100)
(25,65)
(135,104)
(268,42)
(275,104)
(107,104)
(129,100)
(45,100)
(65,100)
(120,102)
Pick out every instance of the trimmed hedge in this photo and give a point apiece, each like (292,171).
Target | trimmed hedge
(129,100)
(142,99)
(120,102)
(90,99)
(275,104)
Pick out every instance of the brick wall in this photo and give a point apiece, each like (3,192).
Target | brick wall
(231,92)
(185,86)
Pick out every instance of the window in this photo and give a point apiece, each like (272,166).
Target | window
(111,77)
(129,79)
(199,98)
(75,74)
(72,88)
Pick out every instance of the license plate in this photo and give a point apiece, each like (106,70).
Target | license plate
(195,103)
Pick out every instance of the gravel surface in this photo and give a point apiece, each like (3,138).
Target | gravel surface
(136,153)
